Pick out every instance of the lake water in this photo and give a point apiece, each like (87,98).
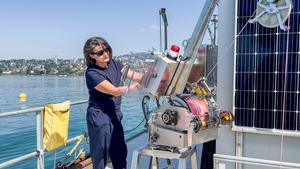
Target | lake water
(18,133)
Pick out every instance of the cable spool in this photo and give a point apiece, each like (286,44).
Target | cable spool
(197,106)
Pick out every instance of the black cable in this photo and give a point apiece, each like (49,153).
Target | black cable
(157,102)
(178,104)
(145,111)
(172,77)
(145,108)
(126,131)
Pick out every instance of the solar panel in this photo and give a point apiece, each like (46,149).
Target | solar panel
(260,75)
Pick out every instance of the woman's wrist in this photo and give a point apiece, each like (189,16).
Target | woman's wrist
(123,89)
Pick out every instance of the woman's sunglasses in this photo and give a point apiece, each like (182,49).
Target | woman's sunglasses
(100,53)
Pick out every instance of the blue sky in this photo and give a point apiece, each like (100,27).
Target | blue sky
(59,28)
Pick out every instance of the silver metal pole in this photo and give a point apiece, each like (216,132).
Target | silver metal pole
(238,147)
(192,47)
(216,164)
(214,21)
(32,110)
(274,132)
(16,160)
(18,112)
(162,12)
(160,38)
(39,139)
(78,102)
(255,161)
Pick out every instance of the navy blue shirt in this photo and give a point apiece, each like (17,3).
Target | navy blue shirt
(95,75)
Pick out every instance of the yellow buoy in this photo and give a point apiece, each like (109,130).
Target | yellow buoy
(22,97)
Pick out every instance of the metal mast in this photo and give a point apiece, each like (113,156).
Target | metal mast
(192,47)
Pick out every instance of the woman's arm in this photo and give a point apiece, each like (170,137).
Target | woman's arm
(108,88)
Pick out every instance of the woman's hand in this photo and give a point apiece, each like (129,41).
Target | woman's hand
(126,89)
(133,86)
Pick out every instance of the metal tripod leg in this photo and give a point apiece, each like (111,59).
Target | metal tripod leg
(190,154)
(182,163)
(194,159)
(153,163)
(135,160)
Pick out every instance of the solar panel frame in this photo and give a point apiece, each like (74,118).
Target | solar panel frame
(259,73)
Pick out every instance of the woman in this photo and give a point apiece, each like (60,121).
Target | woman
(103,76)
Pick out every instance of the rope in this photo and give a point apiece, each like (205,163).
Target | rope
(284,90)
(229,47)
(79,139)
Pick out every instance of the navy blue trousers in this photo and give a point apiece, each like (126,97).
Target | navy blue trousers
(106,135)
(207,158)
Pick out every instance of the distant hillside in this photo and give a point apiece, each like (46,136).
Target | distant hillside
(64,66)
(135,60)
(139,56)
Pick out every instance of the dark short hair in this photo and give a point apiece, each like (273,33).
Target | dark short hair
(90,45)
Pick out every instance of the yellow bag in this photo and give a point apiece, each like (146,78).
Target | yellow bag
(56,124)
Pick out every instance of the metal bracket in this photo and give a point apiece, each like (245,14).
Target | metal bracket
(182,157)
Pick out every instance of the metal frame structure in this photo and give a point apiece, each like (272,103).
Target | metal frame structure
(154,154)
(39,153)
(192,47)
(275,132)
(253,161)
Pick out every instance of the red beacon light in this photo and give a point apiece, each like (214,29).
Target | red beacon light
(201,50)
(173,53)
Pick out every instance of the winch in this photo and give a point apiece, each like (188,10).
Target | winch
(180,120)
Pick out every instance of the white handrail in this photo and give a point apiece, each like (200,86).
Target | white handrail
(33,110)
(39,153)
(18,159)
(253,161)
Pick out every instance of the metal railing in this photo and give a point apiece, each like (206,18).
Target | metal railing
(252,161)
(39,153)
(275,132)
